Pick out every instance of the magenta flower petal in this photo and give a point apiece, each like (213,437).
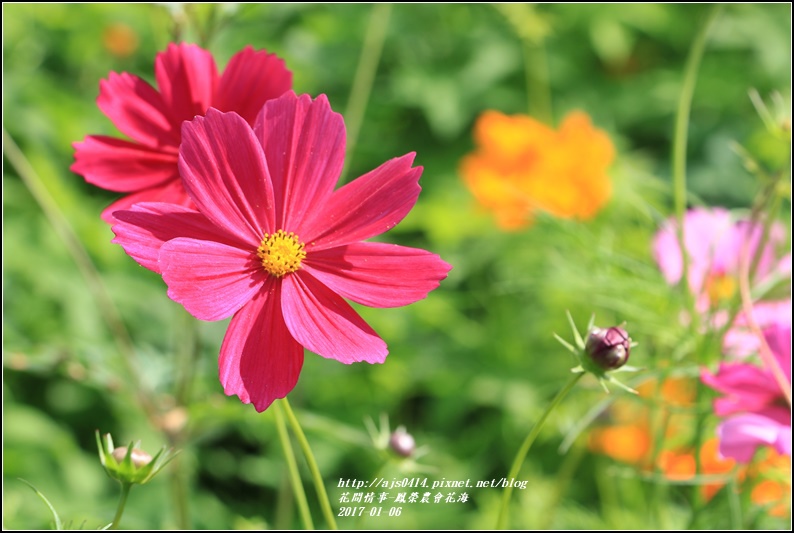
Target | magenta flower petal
(189,85)
(224,171)
(740,435)
(304,144)
(122,166)
(248,248)
(324,323)
(171,192)
(137,110)
(143,229)
(746,387)
(251,78)
(259,361)
(211,279)
(186,76)
(378,274)
(761,414)
(367,206)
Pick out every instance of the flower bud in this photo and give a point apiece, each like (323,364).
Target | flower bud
(402,443)
(130,464)
(139,457)
(608,348)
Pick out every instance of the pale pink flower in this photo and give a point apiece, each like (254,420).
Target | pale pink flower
(714,242)
(740,341)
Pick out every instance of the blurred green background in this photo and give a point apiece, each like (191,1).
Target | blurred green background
(472,366)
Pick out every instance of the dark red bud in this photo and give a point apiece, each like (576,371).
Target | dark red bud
(608,348)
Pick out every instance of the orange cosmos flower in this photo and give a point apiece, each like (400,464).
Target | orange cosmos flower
(120,40)
(681,466)
(774,488)
(521,166)
(628,439)
(625,443)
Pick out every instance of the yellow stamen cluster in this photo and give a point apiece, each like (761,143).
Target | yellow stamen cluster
(720,288)
(281,253)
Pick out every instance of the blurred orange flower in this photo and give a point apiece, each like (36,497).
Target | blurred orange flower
(629,440)
(682,466)
(120,40)
(521,166)
(625,443)
(774,487)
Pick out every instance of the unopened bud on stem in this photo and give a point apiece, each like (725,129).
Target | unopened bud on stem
(608,347)
(402,442)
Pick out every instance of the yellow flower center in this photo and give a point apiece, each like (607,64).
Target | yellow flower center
(720,287)
(281,253)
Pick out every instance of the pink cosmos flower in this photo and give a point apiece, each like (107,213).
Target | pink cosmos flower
(740,341)
(146,167)
(273,245)
(754,406)
(714,242)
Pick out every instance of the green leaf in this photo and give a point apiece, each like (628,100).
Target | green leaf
(58,523)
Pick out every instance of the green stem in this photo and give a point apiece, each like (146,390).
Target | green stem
(125,491)
(186,348)
(768,358)
(563,480)
(660,419)
(292,467)
(325,504)
(537,76)
(680,143)
(179,493)
(522,452)
(697,497)
(735,504)
(365,75)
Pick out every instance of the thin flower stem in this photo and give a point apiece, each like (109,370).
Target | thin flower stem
(527,444)
(698,500)
(325,504)
(125,491)
(769,359)
(736,303)
(63,228)
(660,419)
(563,479)
(680,143)
(179,493)
(537,75)
(292,467)
(735,505)
(186,348)
(365,75)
